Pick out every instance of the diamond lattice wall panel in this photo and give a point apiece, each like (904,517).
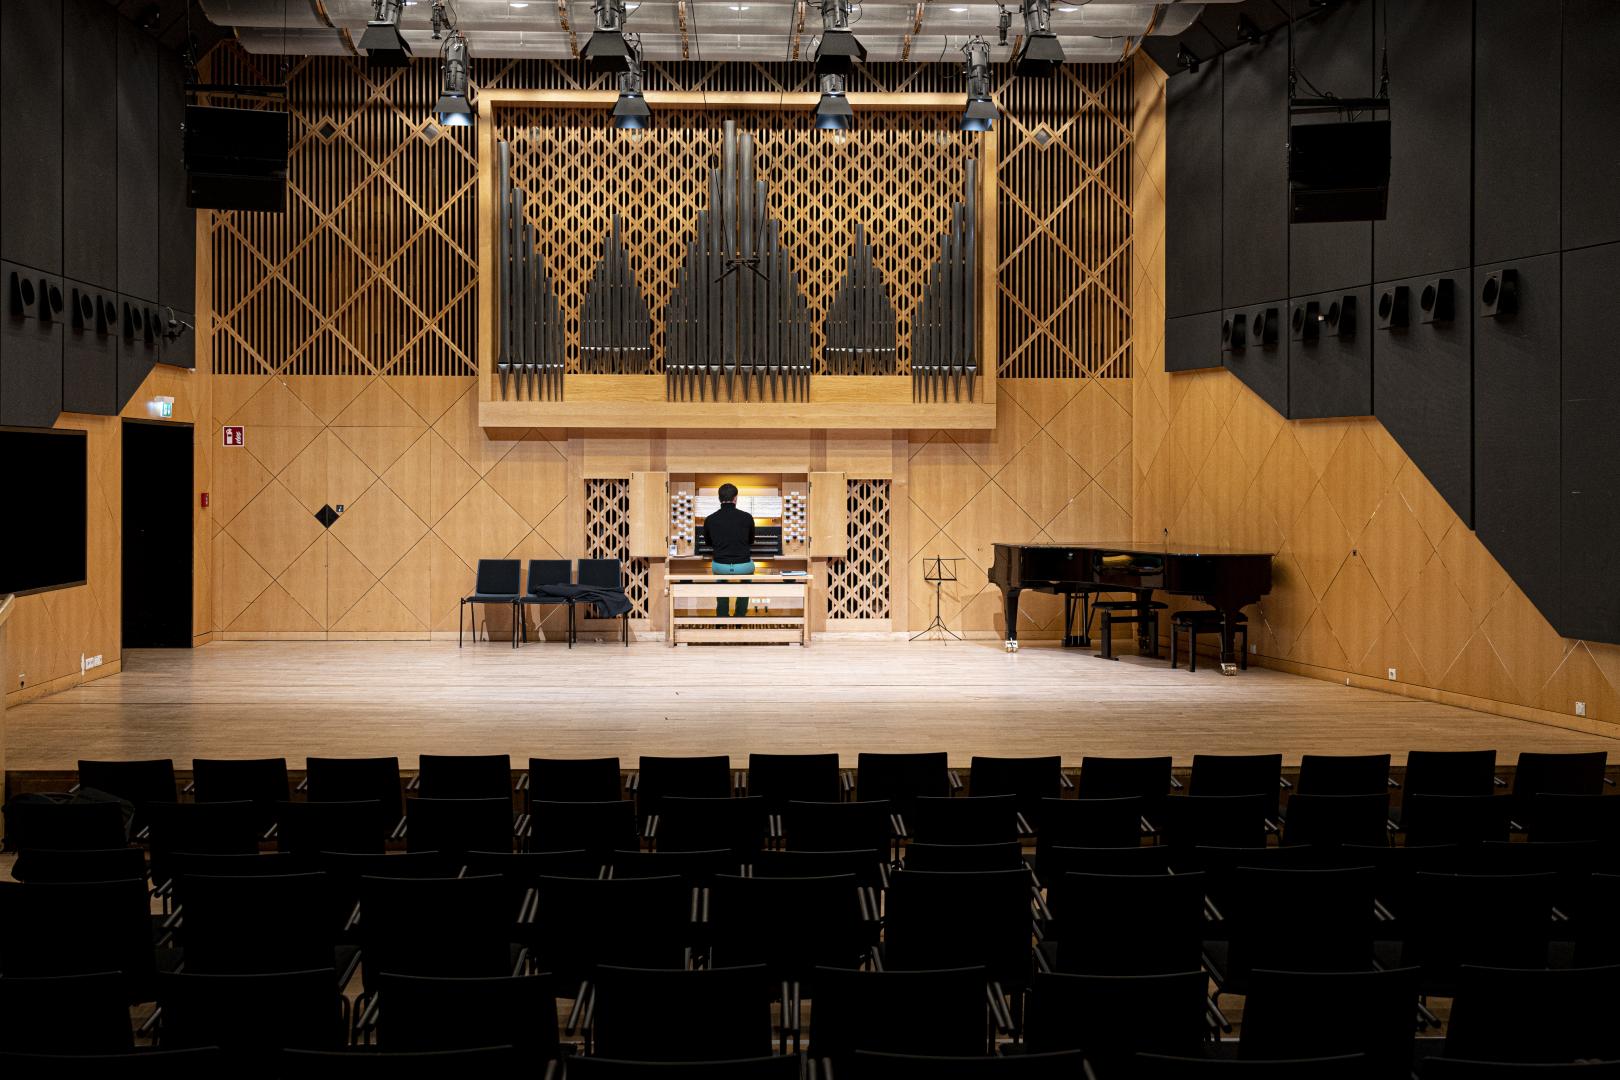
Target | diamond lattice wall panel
(858,584)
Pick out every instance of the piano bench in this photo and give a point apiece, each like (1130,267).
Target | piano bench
(1144,613)
(1204,621)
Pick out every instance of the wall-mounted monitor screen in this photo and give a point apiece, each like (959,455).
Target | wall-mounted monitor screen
(42,543)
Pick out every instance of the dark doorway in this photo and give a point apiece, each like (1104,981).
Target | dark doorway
(157,535)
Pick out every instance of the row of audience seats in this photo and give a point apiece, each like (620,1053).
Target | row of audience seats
(690,922)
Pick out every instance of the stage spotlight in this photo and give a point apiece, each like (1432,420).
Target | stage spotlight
(630,112)
(453,109)
(1186,60)
(980,113)
(833,111)
(382,42)
(839,48)
(1040,54)
(607,48)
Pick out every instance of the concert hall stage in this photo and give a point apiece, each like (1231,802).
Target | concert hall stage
(239,699)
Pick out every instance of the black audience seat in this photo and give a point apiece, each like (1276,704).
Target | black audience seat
(139,783)
(574,780)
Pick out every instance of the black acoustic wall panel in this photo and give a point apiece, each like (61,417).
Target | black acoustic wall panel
(1330,354)
(31,134)
(1517,428)
(1423,391)
(1591,103)
(1335,53)
(1192,342)
(90,350)
(1254,177)
(137,169)
(90,143)
(1262,361)
(1517,50)
(1590,555)
(139,341)
(1431,153)
(31,313)
(177,223)
(1192,176)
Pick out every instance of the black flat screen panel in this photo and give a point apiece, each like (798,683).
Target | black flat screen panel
(177,248)
(1516,62)
(1591,478)
(31,134)
(1336,53)
(46,551)
(1427,228)
(89,355)
(1254,173)
(1517,430)
(137,163)
(1591,106)
(90,144)
(1193,342)
(1423,392)
(1331,375)
(1192,176)
(1262,368)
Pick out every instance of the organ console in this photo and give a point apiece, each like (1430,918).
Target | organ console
(1225,579)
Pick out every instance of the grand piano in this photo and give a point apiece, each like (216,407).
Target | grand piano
(1225,579)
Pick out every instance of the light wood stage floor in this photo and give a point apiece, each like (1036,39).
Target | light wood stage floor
(234,699)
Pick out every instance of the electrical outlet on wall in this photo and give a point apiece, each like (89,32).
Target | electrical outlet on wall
(1580,708)
(1391,674)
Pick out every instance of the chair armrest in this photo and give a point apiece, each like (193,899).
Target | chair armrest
(1065,781)
(353,920)
(530,907)
(270,833)
(303,785)
(1426,1018)
(365,1025)
(1000,1010)
(1024,827)
(150,1024)
(897,827)
(1497,781)
(1284,783)
(578,1014)
(398,831)
(521,962)
(1382,913)
(650,831)
(1393,783)
(1211,912)
(1038,902)
(632,781)
(520,825)
(190,788)
(1272,827)
(1175,785)
(522,781)
(1217,1019)
(1147,827)
(414,783)
(175,918)
(953,778)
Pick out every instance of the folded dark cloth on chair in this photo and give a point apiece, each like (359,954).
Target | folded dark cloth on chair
(610,602)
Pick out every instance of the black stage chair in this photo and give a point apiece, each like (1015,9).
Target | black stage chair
(1555,774)
(250,1017)
(1238,774)
(1571,863)
(227,828)
(840,826)
(1442,1068)
(739,825)
(867,869)
(204,1063)
(783,778)
(1027,779)
(683,777)
(900,778)
(1090,823)
(600,828)
(250,925)
(1541,1015)
(344,870)
(899,1012)
(1058,1065)
(1159,1067)
(697,869)
(274,864)
(787,1067)
(456,826)
(1293,920)
(1112,1018)
(789,925)
(655,1014)
(358,780)
(1594,818)
(443,927)
(65,1014)
(464,776)
(964,858)
(82,928)
(1395,871)
(1059,862)
(547,572)
(309,827)
(980,819)
(606,574)
(574,780)
(1215,821)
(1118,924)
(260,781)
(498,581)
(1221,864)
(1597,935)
(1332,820)
(377,1065)
(1343,774)
(581,923)
(1295,1014)
(939,920)
(139,783)
(1449,772)
(1494,920)
(64,826)
(110,864)
(522,870)
(416,1013)
(1428,820)
(1145,778)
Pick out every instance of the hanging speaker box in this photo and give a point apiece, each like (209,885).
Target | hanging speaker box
(1338,171)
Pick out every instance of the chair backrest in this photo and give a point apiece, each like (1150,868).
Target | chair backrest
(900,778)
(1300,920)
(1574,817)
(1215,820)
(600,828)
(260,781)
(344,870)
(602,573)
(861,863)
(469,919)
(356,779)
(903,1012)
(465,776)
(1331,820)
(1057,1065)
(1395,870)
(1125,777)
(1238,774)
(836,826)
(582,923)
(456,826)
(1295,1014)
(1111,1018)
(1559,774)
(1129,924)
(550,572)
(944,920)
(417,1013)
(1113,822)
(65,1014)
(140,783)
(309,827)
(1454,819)
(780,778)
(275,864)
(706,777)
(226,828)
(1535,1015)
(1449,772)
(1343,774)
(982,819)
(64,826)
(697,868)
(1058,862)
(1498,919)
(1446,1068)
(243,925)
(79,928)
(706,824)
(1164,1067)
(1597,935)
(109,864)
(521,868)
(381,1065)
(249,1016)
(964,858)
(498,577)
(655,1014)
(749,919)
(203,1063)
(1028,779)
(575,780)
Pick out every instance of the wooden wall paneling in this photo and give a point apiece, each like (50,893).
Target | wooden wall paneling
(89,144)
(1590,560)
(31,126)
(1332,374)
(828,515)
(136,170)
(1591,100)
(1518,56)
(1254,184)
(649,515)
(858,580)
(1192,176)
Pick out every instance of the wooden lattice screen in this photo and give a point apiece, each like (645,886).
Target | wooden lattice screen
(372,268)
(858,584)
(607,536)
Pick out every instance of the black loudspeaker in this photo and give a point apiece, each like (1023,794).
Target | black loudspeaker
(133,321)
(34,298)
(106,314)
(1233,336)
(1394,308)
(1500,294)
(1306,323)
(82,310)
(236,159)
(1438,300)
(1263,327)
(1340,319)
(1338,171)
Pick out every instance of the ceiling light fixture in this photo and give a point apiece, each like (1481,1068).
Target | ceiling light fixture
(381,41)
(630,112)
(607,49)
(833,111)
(839,49)
(980,112)
(1040,54)
(454,108)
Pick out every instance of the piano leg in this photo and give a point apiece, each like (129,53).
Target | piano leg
(1228,655)
(1010,611)
(1072,601)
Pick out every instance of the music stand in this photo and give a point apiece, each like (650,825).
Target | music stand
(937,571)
